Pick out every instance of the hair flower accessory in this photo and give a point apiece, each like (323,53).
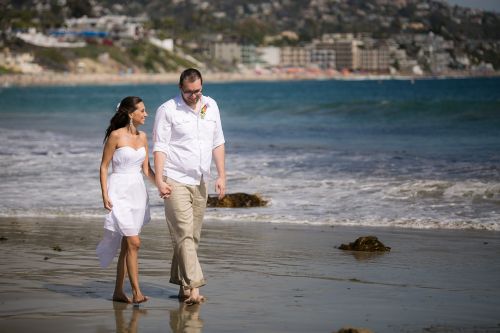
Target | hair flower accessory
(203,111)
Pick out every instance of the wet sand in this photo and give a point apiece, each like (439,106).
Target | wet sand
(261,278)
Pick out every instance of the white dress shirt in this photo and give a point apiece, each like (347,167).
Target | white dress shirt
(187,138)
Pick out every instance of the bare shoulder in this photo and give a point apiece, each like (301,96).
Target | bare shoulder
(115,135)
(143,136)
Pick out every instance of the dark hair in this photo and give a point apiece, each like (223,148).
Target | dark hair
(191,75)
(120,118)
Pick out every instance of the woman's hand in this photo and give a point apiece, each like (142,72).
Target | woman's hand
(107,203)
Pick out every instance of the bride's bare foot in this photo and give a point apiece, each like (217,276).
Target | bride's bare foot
(121,297)
(184,293)
(194,297)
(140,299)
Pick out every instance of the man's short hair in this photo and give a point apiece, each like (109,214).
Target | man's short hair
(191,75)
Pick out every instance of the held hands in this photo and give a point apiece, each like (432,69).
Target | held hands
(164,189)
(220,187)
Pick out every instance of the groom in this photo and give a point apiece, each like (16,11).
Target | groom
(186,134)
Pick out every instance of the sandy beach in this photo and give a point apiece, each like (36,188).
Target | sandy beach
(72,79)
(262,277)
(76,79)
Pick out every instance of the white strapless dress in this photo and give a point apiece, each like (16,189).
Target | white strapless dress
(128,195)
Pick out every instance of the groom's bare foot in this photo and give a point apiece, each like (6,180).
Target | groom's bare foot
(194,297)
(184,293)
(121,297)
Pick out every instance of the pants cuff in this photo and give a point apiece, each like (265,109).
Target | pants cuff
(196,284)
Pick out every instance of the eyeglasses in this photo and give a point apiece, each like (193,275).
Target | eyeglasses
(191,92)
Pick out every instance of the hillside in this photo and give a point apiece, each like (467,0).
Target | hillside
(191,23)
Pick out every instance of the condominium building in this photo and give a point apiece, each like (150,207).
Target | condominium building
(229,53)
(346,54)
(323,55)
(269,55)
(295,56)
(374,59)
(249,54)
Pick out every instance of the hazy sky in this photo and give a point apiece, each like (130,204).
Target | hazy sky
(492,5)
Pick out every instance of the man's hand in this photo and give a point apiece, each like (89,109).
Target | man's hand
(220,187)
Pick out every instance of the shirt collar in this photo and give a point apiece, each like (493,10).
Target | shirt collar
(181,103)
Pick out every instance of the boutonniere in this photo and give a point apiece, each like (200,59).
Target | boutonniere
(203,111)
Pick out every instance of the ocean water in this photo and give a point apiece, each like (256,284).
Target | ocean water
(422,154)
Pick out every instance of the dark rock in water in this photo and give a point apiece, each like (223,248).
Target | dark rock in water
(367,243)
(3,238)
(235,200)
(354,330)
(57,248)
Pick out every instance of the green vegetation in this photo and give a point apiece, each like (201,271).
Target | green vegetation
(138,54)
(154,59)
(51,58)
(4,70)
(93,51)
(249,22)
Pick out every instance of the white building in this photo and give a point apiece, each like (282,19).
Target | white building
(269,55)
(35,38)
(229,53)
(166,44)
(249,55)
(115,26)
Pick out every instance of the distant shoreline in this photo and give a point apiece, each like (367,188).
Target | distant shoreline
(73,79)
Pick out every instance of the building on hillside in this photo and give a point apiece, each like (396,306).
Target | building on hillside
(109,26)
(398,3)
(228,53)
(346,54)
(36,38)
(323,55)
(403,64)
(295,56)
(269,56)
(249,55)
(165,44)
(374,59)
(439,62)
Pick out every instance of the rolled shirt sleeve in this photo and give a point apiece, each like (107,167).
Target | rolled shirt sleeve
(162,130)
(218,134)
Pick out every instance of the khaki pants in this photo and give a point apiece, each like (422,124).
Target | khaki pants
(184,211)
